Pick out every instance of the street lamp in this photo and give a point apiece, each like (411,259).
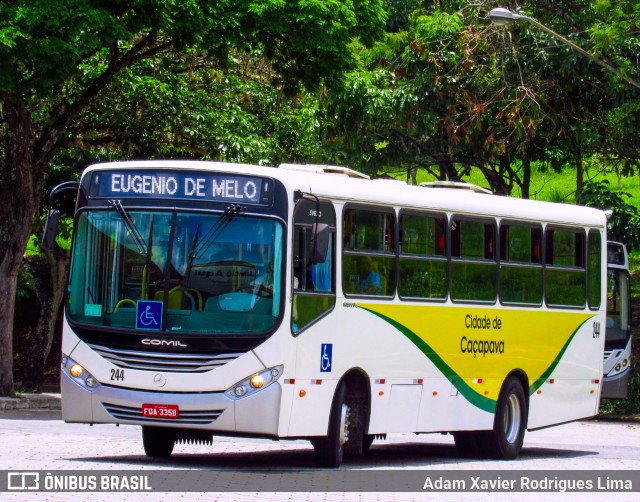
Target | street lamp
(501,17)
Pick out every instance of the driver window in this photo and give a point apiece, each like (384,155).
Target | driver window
(313,282)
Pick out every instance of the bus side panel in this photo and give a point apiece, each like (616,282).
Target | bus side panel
(444,408)
(313,388)
(572,390)
(408,392)
(348,339)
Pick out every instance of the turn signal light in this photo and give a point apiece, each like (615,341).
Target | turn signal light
(257,381)
(76,370)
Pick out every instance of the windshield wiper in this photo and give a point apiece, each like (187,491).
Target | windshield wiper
(214,232)
(199,248)
(192,255)
(131,226)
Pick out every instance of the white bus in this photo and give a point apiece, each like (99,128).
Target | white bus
(617,345)
(310,302)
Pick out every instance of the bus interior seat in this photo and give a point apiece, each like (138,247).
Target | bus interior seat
(176,298)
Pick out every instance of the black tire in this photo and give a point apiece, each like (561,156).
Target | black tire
(504,442)
(468,443)
(329,449)
(158,441)
(355,445)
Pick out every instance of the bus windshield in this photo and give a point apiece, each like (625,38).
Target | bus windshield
(176,271)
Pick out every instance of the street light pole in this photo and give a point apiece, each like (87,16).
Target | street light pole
(501,17)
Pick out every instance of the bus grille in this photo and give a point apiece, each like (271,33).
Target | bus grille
(164,361)
(617,353)
(186,417)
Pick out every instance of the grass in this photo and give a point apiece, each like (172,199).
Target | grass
(558,187)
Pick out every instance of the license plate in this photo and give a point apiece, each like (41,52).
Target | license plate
(160,411)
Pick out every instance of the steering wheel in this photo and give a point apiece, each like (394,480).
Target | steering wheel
(264,291)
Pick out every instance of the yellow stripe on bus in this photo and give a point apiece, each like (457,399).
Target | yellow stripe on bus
(476,348)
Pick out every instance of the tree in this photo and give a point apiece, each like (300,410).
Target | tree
(447,92)
(58,56)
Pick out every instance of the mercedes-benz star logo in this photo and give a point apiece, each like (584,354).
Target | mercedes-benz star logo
(160,380)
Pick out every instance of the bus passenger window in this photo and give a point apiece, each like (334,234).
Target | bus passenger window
(368,258)
(473,260)
(520,264)
(369,280)
(423,263)
(565,276)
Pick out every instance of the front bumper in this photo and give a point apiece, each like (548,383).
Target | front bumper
(616,387)
(214,411)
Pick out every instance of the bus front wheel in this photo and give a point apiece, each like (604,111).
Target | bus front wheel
(504,442)
(158,441)
(329,449)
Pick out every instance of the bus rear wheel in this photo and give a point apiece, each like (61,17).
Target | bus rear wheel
(504,442)
(158,442)
(329,449)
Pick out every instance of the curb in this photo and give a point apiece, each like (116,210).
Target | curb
(618,418)
(30,402)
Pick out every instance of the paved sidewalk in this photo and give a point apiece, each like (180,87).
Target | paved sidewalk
(29,401)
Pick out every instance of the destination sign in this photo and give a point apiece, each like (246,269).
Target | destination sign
(189,185)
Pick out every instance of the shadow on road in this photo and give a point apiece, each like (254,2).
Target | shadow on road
(397,455)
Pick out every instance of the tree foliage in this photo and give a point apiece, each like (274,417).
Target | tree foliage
(625,220)
(454,92)
(57,57)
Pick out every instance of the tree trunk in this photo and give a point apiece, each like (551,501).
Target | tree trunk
(49,275)
(20,182)
(526,175)
(8,283)
(448,171)
(579,170)
(412,176)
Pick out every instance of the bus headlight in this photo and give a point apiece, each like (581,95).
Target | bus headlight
(254,383)
(79,374)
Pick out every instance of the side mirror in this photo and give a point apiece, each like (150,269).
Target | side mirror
(319,243)
(50,229)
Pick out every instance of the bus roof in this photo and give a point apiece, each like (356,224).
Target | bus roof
(355,187)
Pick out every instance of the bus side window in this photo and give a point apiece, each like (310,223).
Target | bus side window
(520,264)
(473,260)
(565,271)
(369,252)
(423,263)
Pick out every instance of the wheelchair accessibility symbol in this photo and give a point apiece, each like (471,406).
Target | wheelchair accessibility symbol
(326,357)
(149,315)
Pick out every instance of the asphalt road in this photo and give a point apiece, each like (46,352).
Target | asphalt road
(37,440)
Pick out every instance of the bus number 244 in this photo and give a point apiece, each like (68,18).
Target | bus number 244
(117,374)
